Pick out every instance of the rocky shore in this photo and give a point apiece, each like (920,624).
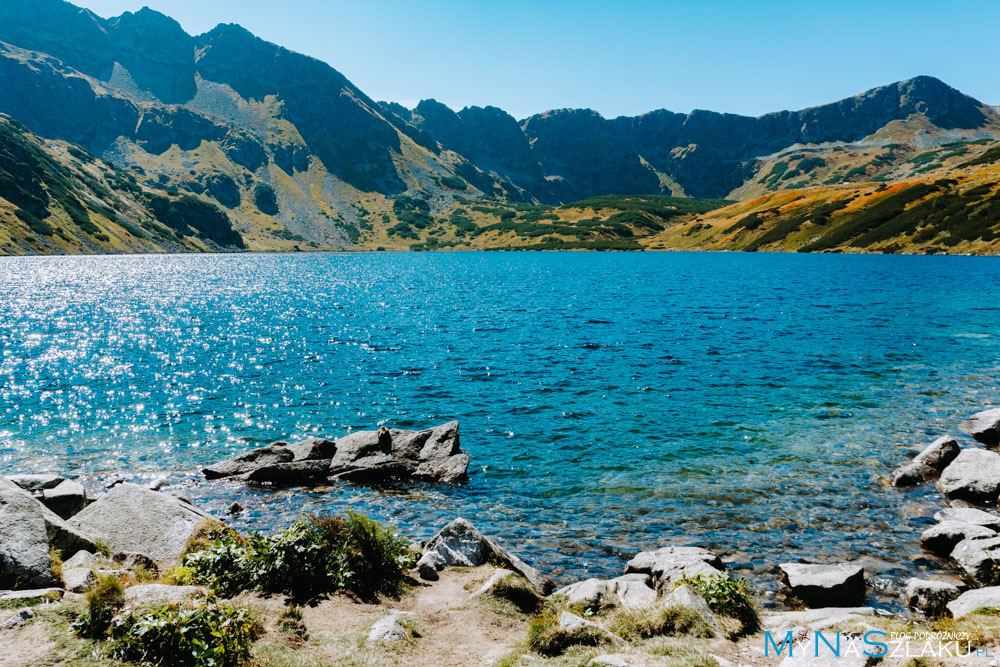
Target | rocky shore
(56,543)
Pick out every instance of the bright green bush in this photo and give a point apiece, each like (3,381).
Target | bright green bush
(313,556)
(208,635)
(728,596)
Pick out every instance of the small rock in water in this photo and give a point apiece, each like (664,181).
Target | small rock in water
(234,509)
(820,585)
(157,484)
(911,474)
(939,453)
(984,426)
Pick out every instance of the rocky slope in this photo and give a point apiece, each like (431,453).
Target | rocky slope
(296,156)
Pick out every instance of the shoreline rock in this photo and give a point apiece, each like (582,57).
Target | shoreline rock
(383,456)
(821,585)
(984,427)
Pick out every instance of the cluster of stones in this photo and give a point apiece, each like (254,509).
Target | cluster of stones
(966,535)
(372,457)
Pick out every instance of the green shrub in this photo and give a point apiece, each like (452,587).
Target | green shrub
(454,183)
(657,622)
(291,622)
(728,596)
(104,601)
(516,590)
(545,636)
(208,635)
(313,556)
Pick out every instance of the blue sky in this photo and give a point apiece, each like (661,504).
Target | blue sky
(623,57)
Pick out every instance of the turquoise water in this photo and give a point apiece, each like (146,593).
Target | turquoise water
(609,402)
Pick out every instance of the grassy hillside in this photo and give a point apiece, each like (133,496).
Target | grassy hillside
(953,210)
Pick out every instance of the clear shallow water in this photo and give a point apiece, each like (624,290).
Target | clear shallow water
(610,402)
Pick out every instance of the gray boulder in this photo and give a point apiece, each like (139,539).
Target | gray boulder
(24,541)
(313,449)
(969,515)
(392,628)
(779,622)
(821,585)
(66,499)
(669,564)
(392,454)
(578,625)
(688,598)
(294,472)
(632,591)
(133,519)
(974,475)
(984,426)
(939,453)
(250,461)
(980,558)
(37,482)
(973,600)
(79,579)
(62,536)
(32,596)
(911,474)
(942,538)
(590,592)
(459,543)
(494,580)
(930,597)
(81,559)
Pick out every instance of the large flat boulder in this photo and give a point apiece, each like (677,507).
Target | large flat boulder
(974,475)
(969,515)
(984,426)
(822,585)
(669,564)
(134,519)
(971,601)
(460,543)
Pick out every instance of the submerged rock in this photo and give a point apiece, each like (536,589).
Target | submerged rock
(669,564)
(984,426)
(381,456)
(974,475)
(460,543)
(821,585)
(930,597)
(133,519)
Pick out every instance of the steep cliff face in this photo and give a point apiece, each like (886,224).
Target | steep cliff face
(157,53)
